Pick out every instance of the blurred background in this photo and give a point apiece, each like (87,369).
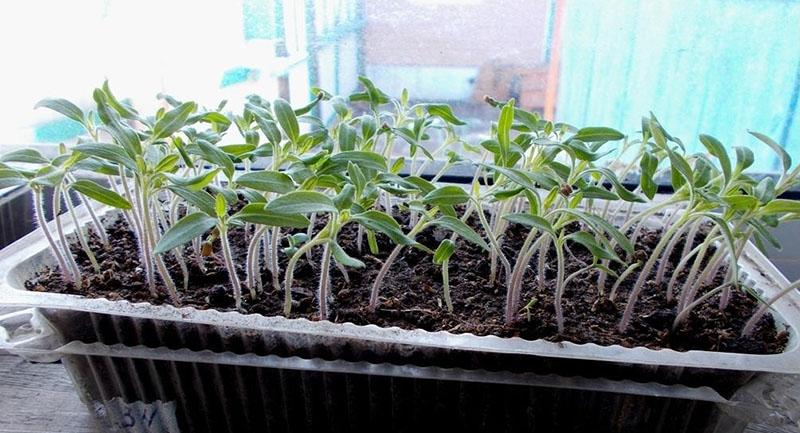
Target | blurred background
(713,66)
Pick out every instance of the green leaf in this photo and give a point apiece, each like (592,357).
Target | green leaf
(444,251)
(368,126)
(342,258)
(286,119)
(256,213)
(167,164)
(381,222)
(24,155)
(124,110)
(63,107)
(270,130)
(444,112)
(600,225)
(220,206)
(530,220)
(194,183)
(302,202)
(10,177)
(267,181)
(593,134)
(619,188)
(780,205)
(716,149)
(173,120)
(48,176)
(504,130)
(373,95)
(596,249)
(648,166)
(591,191)
(126,137)
(786,160)
(744,158)
(765,190)
(681,171)
(462,229)
(238,150)
(186,229)
(215,155)
(363,159)
(107,151)
(525,179)
(357,178)
(446,195)
(347,137)
(100,193)
(741,202)
(421,184)
(199,199)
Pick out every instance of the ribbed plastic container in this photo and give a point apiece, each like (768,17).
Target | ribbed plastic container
(137,389)
(120,327)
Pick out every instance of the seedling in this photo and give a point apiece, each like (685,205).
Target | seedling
(173,176)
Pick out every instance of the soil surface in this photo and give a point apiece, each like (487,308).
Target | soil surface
(411,296)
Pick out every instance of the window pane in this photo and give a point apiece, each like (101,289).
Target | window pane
(718,66)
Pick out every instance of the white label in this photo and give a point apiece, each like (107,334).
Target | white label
(120,417)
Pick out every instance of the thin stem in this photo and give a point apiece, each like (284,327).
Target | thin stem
(493,241)
(144,251)
(376,285)
(662,266)
(559,287)
(683,313)
(289,278)
(152,238)
(276,235)
(448,301)
(253,274)
(613,293)
(324,281)
(751,324)
(232,275)
(54,248)
(687,289)
(540,273)
(81,235)
(176,252)
(525,255)
(73,266)
(648,266)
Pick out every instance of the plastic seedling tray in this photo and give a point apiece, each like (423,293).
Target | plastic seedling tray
(74,318)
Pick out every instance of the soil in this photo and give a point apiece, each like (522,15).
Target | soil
(411,296)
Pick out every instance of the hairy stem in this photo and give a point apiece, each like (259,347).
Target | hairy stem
(253,274)
(324,281)
(559,287)
(73,266)
(751,324)
(54,247)
(376,285)
(613,293)
(289,278)
(232,275)
(144,250)
(81,235)
(448,301)
(648,266)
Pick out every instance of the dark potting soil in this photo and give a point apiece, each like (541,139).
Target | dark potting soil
(411,296)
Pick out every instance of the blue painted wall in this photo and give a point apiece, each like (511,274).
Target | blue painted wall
(713,66)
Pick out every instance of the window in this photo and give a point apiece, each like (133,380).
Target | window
(718,66)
